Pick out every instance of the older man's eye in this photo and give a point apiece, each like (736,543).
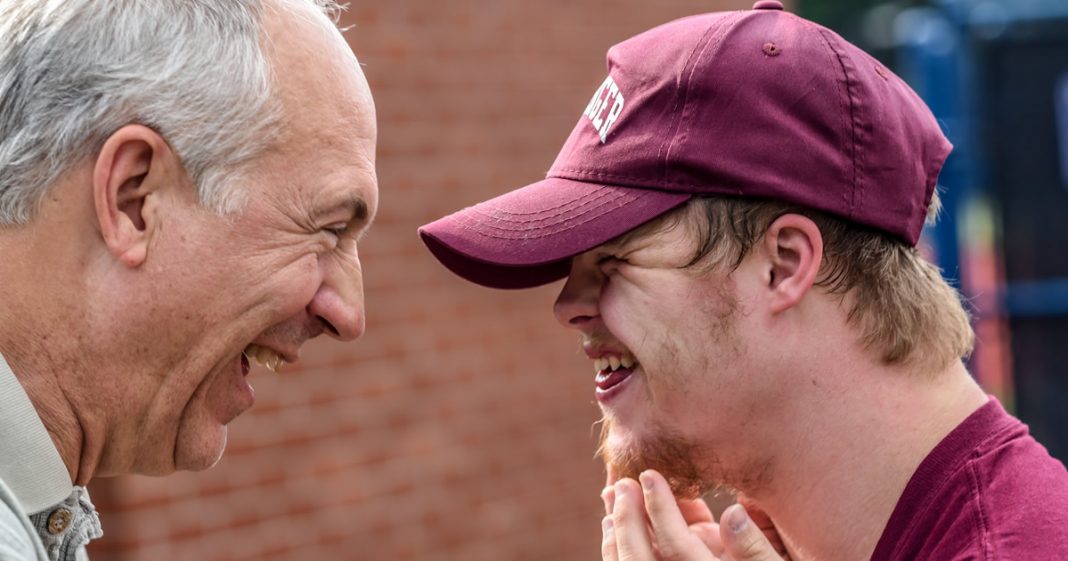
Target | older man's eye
(337,230)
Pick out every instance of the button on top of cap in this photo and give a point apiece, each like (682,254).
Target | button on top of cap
(768,5)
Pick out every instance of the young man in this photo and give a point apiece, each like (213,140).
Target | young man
(736,215)
(182,185)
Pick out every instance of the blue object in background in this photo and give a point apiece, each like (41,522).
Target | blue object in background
(1061,97)
(995,73)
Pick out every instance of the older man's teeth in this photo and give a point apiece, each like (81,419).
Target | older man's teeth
(626,362)
(599,364)
(265,357)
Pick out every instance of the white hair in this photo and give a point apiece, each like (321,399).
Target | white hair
(72,72)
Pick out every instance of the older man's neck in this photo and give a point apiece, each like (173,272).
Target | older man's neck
(842,468)
(41,383)
(40,355)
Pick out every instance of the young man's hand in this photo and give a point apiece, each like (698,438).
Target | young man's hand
(644,522)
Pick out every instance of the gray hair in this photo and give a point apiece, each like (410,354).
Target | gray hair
(72,72)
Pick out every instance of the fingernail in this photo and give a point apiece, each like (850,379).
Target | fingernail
(621,489)
(647,481)
(737,519)
(606,525)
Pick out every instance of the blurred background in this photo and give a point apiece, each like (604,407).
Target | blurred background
(460,427)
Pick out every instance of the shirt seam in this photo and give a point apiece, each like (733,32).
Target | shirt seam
(979,513)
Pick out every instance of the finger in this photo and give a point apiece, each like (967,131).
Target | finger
(633,542)
(742,539)
(611,476)
(763,521)
(608,495)
(702,524)
(608,540)
(756,514)
(708,533)
(695,511)
(674,541)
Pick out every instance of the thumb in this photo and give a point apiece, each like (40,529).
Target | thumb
(742,539)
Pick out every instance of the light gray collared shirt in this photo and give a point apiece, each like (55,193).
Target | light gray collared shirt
(43,516)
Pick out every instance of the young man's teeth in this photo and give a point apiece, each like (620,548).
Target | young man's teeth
(613,363)
(265,357)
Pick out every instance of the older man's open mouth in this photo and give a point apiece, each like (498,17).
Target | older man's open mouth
(268,358)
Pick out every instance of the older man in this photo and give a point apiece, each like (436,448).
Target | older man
(182,188)
(736,214)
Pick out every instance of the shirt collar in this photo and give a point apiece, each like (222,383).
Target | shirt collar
(30,465)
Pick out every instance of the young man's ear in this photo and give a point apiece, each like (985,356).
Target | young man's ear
(794,246)
(132,167)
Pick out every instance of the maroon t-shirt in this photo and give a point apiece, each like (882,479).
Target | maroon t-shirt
(988,491)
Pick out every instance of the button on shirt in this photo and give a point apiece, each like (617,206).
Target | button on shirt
(42,514)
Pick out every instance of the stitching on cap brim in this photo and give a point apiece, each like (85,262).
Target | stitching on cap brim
(534,260)
(497,223)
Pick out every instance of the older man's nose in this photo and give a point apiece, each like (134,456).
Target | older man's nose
(338,302)
(342,314)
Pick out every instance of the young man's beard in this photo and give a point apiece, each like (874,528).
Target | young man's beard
(691,469)
(670,454)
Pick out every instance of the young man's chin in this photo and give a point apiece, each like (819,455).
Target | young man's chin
(627,455)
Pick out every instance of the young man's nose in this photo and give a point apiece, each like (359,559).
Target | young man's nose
(577,305)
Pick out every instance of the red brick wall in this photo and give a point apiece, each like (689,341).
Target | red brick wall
(459,426)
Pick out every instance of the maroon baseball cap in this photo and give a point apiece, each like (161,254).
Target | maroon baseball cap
(758,103)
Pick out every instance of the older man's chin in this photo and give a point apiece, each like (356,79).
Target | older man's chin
(201,438)
(199,450)
(202,432)
(191,450)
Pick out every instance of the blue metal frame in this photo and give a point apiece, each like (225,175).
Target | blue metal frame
(937,60)
(933,62)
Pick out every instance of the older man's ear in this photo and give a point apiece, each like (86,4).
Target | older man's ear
(133,170)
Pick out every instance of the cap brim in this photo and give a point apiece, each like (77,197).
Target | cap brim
(527,237)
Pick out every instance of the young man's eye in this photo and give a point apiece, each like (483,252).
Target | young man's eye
(610,261)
